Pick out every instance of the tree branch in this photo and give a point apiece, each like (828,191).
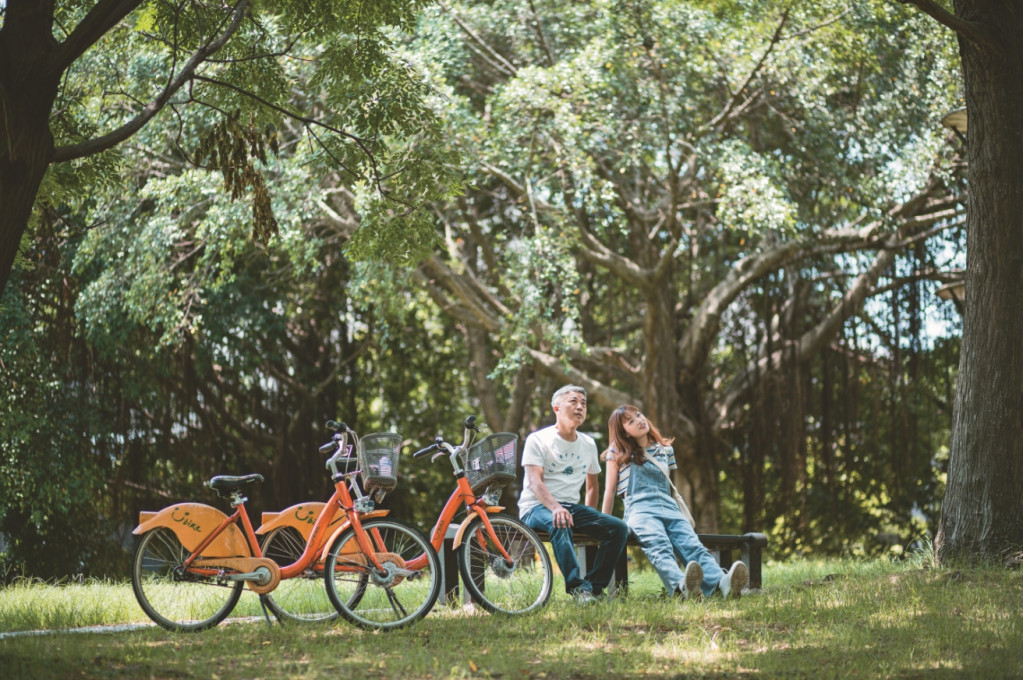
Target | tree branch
(489,54)
(971,30)
(111,139)
(737,94)
(537,26)
(916,214)
(599,393)
(104,15)
(472,298)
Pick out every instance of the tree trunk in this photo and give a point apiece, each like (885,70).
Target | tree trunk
(676,403)
(982,512)
(27,93)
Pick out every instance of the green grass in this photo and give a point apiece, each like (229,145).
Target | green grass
(858,619)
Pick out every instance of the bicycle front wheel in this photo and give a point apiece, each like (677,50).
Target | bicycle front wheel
(394,597)
(302,598)
(499,585)
(173,597)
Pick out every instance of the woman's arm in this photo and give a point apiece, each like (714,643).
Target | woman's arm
(610,487)
(592,490)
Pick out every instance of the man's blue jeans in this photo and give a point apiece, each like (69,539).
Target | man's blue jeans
(610,531)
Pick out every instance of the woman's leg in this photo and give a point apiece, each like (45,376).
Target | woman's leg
(657,546)
(687,543)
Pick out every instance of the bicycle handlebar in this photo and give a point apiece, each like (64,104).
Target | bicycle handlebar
(337,443)
(335,426)
(429,449)
(340,430)
(439,444)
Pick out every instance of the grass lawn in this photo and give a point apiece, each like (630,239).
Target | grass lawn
(814,619)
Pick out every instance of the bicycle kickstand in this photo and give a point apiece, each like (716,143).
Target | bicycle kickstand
(266,611)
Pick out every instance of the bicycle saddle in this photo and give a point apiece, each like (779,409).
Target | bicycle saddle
(229,483)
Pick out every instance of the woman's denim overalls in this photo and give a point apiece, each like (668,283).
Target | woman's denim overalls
(651,513)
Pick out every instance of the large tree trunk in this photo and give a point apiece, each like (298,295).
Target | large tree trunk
(27,93)
(982,512)
(677,404)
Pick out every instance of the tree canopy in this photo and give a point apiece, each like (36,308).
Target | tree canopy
(82,78)
(687,205)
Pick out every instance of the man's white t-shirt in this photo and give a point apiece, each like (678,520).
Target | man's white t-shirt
(565,465)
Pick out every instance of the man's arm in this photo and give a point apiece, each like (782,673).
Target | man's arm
(561,516)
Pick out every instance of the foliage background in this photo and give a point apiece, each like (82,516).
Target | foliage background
(149,342)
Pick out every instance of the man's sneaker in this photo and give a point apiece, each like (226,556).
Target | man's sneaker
(690,586)
(583,597)
(734,581)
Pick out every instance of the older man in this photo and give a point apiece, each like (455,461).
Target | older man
(558,459)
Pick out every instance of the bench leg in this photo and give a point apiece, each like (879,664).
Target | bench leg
(587,555)
(450,569)
(622,574)
(752,557)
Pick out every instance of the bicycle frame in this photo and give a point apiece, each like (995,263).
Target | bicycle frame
(463,495)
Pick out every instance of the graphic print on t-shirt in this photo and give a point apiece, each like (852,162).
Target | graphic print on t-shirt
(564,460)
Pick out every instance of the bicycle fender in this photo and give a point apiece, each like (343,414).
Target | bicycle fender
(491,510)
(301,517)
(351,547)
(191,523)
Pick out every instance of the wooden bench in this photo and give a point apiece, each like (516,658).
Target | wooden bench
(749,547)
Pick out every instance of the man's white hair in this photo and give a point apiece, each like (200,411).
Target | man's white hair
(562,391)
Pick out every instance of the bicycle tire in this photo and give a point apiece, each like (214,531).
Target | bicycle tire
(179,603)
(302,597)
(521,586)
(382,602)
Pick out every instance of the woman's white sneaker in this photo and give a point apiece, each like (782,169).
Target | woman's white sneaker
(735,580)
(690,586)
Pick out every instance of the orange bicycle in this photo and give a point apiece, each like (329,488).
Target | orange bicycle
(189,577)
(503,563)
(288,534)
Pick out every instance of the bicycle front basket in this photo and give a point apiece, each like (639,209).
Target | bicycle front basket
(378,460)
(491,462)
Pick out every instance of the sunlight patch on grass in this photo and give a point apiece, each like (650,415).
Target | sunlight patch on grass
(26,604)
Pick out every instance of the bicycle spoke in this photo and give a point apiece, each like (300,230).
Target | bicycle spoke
(302,598)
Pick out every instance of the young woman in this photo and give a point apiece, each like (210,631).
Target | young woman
(651,513)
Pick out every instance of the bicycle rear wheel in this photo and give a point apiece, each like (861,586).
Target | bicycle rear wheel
(302,598)
(516,587)
(176,599)
(392,599)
